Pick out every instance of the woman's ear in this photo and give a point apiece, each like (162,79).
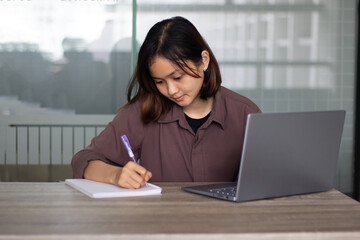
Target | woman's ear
(205,56)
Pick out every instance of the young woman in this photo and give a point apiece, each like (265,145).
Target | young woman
(182,125)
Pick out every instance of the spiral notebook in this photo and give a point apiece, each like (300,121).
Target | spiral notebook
(104,190)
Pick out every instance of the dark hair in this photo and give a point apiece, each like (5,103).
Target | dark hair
(177,40)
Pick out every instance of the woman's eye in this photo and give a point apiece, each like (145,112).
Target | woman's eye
(158,82)
(178,78)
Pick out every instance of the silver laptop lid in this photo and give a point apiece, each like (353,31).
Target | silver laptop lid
(289,153)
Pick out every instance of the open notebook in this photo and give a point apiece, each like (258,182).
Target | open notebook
(104,190)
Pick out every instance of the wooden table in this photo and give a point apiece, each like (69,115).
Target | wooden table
(56,211)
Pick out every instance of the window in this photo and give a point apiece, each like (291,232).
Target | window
(76,57)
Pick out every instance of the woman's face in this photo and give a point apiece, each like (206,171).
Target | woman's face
(175,84)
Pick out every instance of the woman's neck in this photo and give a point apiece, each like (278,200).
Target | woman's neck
(200,108)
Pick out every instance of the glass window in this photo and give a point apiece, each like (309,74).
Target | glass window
(65,56)
(76,57)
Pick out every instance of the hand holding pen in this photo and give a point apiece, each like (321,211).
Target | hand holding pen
(132,175)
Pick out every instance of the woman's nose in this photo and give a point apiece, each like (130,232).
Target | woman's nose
(172,89)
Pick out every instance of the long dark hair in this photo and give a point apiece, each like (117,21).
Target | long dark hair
(177,40)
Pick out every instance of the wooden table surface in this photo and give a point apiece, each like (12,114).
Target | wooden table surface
(57,211)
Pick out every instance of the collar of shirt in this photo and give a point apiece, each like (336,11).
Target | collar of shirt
(217,115)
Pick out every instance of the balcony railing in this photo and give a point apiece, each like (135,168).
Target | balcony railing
(39,127)
(46,140)
(40,147)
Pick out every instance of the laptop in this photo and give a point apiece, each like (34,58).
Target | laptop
(283,154)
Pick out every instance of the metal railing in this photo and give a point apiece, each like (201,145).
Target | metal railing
(46,140)
(50,127)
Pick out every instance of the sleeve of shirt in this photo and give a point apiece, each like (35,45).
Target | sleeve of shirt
(251,108)
(107,146)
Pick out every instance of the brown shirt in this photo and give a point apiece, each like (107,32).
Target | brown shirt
(169,148)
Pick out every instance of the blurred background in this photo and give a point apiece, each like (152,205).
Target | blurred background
(65,66)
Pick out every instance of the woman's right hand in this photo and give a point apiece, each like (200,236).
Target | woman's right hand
(132,176)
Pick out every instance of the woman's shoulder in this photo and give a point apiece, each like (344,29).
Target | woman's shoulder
(131,107)
(129,112)
(234,98)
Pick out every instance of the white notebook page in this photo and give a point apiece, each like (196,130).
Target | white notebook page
(104,190)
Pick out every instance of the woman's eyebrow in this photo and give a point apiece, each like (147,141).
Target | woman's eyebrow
(173,72)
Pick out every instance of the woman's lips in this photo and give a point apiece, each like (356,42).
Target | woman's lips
(179,99)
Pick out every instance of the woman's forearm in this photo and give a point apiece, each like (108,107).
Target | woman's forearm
(102,172)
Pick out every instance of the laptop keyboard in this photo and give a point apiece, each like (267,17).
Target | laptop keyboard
(226,191)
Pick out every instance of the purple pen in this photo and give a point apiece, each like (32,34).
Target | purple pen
(128,147)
